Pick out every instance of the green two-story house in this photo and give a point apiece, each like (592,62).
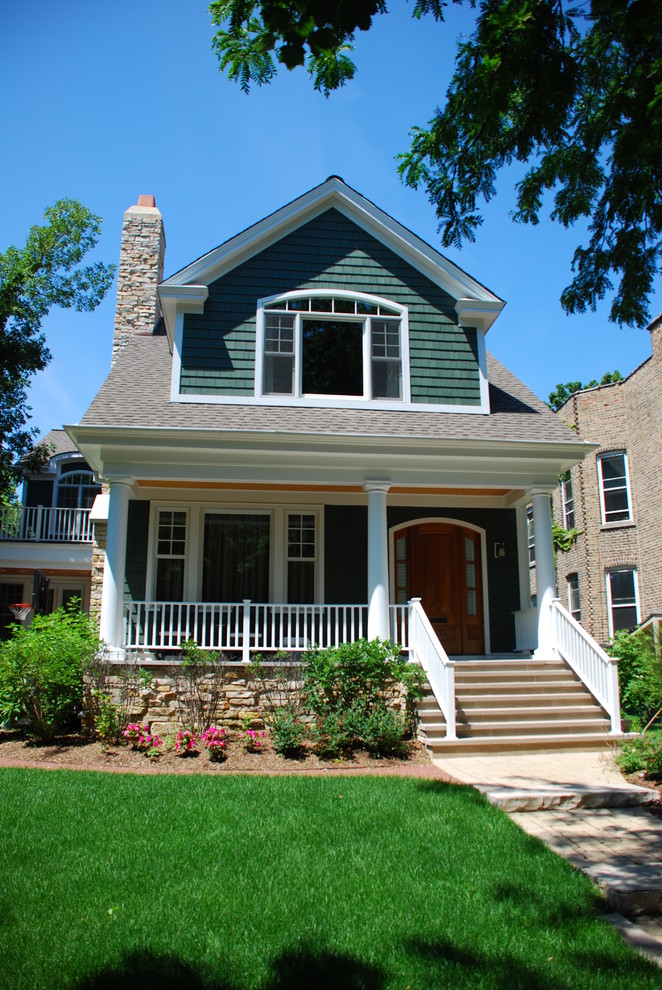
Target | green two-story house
(305,441)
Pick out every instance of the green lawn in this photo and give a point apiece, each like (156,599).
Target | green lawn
(300,883)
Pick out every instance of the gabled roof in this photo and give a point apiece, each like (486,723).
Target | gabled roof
(188,286)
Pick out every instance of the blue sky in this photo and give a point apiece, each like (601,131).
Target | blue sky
(101,102)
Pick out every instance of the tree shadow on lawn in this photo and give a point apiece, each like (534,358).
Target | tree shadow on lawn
(300,969)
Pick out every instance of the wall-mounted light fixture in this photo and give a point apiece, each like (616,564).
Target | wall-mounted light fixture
(500,550)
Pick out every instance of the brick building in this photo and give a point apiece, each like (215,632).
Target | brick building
(612,578)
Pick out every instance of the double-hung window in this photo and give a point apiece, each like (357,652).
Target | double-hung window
(622,599)
(568,501)
(170,555)
(332,345)
(530,537)
(574,602)
(615,501)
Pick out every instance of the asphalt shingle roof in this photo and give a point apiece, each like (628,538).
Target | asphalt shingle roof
(136,393)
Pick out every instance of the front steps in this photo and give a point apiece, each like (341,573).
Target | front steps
(515,703)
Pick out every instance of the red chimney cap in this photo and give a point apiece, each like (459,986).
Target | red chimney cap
(144,200)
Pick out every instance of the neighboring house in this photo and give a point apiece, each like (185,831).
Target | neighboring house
(302,432)
(612,578)
(46,539)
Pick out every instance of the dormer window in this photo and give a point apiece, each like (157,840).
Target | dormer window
(332,345)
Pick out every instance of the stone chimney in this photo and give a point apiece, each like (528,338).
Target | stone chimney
(655,330)
(140,271)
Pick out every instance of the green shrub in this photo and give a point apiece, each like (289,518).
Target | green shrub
(643,753)
(639,675)
(199,685)
(287,731)
(41,671)
(348,690)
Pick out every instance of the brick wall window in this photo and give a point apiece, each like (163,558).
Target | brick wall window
(622,599)
(567,501)
(574,604)
(615,500)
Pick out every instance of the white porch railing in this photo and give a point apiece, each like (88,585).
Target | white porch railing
(597,670)
(425,647)
(40,523)
(526,628)
(240,627)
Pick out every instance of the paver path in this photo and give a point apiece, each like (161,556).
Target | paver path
(579,805)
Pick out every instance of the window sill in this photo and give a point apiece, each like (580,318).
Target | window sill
(621,524)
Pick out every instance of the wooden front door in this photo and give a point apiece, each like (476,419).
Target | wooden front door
(443,569)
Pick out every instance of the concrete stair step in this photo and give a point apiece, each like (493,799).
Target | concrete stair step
(525,744)
(560,699)
(526,712)
(533,727)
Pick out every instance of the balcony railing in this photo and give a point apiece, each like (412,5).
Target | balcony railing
(39,523)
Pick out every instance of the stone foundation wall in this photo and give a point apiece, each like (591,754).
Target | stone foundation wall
(241,697)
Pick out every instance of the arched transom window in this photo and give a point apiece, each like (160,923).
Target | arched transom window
(332,344)
(77,490)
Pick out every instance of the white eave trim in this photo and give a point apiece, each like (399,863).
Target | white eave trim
(335,193)
(479,313)
(180,299)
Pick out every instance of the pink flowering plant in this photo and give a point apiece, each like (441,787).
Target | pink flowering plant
(143,740)
(215,742)
(253,740)
(185,742)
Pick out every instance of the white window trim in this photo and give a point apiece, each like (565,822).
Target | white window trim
(637,605)
(156,509)
(343,401)
(195,518)
(601,489)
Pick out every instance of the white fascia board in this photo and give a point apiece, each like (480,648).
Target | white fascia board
(270,457)
(180,299)
(334,193)
(479,313)
(64,556)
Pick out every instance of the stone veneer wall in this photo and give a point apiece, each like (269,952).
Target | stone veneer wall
(142,255)
(623,416)
(241,698)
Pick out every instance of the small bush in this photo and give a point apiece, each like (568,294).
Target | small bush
(288,731)
(199,684)
(643,753)
(41,671)
(348,689)
(639,675)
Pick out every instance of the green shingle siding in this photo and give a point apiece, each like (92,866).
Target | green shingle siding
(137,535)
(218,351)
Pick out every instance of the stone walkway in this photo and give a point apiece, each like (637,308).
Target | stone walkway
(583,809)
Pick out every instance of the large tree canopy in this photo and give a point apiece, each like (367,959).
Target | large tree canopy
(45,272)
(573,91)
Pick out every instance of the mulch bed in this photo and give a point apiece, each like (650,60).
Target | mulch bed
(74,752)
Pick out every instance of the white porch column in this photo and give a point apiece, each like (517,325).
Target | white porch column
(378,619)
(545,570)
(112,595)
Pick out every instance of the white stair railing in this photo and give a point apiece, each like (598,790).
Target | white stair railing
(424,646)
(593,666)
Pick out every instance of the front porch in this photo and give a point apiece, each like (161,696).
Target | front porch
(514,699)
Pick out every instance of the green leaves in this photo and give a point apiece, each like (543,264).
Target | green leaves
(574,92)
(46,272)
